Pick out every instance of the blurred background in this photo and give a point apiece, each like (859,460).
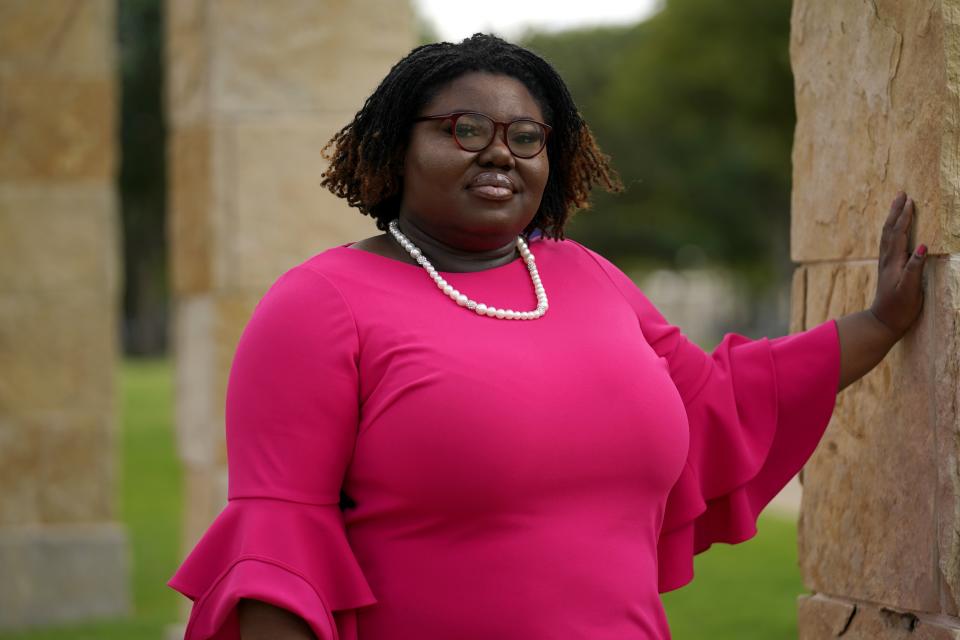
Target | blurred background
(693,99)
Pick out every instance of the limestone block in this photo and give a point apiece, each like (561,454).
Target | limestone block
(876,98)
(188,60)
(280,215)
(234,310)
(868,527)
(206,332)
(59,574)
(943,309)
(293,55)
(191,219)
(798,297)
(19,476)
(69,38)
(57,238)
(821,617)
(206,487)
(66,137)
(54,468)
(77,469)
(196,408)
(57,352)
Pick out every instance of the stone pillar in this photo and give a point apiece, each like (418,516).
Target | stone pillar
(63,556)
(254,91)
(877,84)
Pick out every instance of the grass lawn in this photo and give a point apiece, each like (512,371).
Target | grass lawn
(741,592)
(149,498)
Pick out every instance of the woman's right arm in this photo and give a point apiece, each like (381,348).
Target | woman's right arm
(291,418)
(262,621)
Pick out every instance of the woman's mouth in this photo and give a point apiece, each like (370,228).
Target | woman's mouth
(492,186)
(491,192)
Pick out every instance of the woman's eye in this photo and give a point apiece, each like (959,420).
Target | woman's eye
(465,130)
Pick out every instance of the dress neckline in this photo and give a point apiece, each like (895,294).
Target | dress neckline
(347,248)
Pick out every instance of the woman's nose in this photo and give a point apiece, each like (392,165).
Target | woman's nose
(497,153)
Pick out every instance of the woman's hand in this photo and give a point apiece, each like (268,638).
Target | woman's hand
(899,295)
(866,336)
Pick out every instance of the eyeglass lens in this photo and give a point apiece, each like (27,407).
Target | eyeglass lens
(474,132)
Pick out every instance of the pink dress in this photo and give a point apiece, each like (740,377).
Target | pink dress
(515,480)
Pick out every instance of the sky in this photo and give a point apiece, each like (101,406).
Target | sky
(456,19)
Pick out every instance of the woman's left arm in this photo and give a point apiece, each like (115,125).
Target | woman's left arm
(867,336)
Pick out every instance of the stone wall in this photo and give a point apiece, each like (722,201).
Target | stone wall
(62,555)
(877,85)
(254,91)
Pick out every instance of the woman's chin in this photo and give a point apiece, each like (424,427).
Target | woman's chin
(496,223)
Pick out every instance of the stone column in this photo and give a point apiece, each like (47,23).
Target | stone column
(63,556)
(877,84)
(254,91)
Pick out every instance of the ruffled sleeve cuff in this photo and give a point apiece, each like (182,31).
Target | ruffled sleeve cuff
(292,555)
(754,420)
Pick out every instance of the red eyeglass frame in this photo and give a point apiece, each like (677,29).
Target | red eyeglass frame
(455,115)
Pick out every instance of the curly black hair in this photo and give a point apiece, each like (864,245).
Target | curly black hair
(366,155)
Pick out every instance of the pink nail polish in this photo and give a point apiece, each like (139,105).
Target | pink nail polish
(922,250)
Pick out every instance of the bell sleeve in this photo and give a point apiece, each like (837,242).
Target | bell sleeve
(291,422)
(756,410)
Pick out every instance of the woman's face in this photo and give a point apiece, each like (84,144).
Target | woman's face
(443,185)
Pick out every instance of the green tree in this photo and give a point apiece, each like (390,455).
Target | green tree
(142,180)
(695,105)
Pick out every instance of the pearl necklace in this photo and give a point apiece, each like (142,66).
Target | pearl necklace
(472,305)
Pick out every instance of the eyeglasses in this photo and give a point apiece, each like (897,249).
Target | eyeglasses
(474,132)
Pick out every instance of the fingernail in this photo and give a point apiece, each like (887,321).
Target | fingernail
(922,250)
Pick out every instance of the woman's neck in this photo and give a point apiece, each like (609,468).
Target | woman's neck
(446,257)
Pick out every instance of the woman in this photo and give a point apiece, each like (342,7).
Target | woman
(445,432)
